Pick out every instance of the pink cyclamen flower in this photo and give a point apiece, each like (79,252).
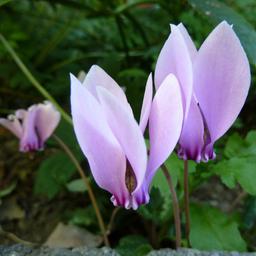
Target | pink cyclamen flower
(214,81)
(33,126)
(113,141)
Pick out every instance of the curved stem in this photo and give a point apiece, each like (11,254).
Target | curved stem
(112,218)
(88,186)
(32,79)
(175,202)
(186,200)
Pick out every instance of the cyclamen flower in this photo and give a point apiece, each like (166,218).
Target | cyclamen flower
(33,126)
(214,81)
(113,141)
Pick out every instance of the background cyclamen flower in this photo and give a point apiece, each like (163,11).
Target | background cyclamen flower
(214,81)
(33,126)
(113,141)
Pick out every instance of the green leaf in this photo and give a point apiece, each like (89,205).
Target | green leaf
(76,186)
(234,145)
(53,174)
(213,230)
(241,170)
(133,245)
(217,11)
(239,147)
(6,191)
(83,217)
(251,137)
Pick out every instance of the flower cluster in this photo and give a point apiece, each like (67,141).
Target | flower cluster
(199,94)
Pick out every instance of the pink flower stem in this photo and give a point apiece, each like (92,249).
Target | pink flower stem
(176,208)
(88,186)
(186,201)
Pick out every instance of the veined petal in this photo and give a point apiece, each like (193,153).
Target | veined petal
(146,105)
(13,125)
(175,58)
(191,142)
(105,156)
(190,44)
(46,121)
(127,131)
(165,123)
(221,79)
(98,77)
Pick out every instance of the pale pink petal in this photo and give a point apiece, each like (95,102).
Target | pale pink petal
(46,121)
(29,140)
(190,44)
(221,79)
(175,58)
(12,124)
(127,131)
(105,156)
(165,123)
(146,105)
(191,141)
(98,77)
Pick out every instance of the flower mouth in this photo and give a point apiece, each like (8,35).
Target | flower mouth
(130,178)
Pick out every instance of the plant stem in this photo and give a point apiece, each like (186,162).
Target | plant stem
(175,202)
(186,200)
(32,79)
(88,186)
(112,218)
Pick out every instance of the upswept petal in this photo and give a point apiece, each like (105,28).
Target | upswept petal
(98,77)
(105,156)
(165,123)
(189,42)
(13,125)
(127,131)
(175,58)
(29,140)
(46,121)
(221,79)
(146,105)
(191,142)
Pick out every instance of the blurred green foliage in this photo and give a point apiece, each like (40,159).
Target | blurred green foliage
(212,230)
(56,37)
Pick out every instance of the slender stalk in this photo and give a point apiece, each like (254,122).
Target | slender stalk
(186,200)
(176,208)
(32,79)
(88,186)
(112,218)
